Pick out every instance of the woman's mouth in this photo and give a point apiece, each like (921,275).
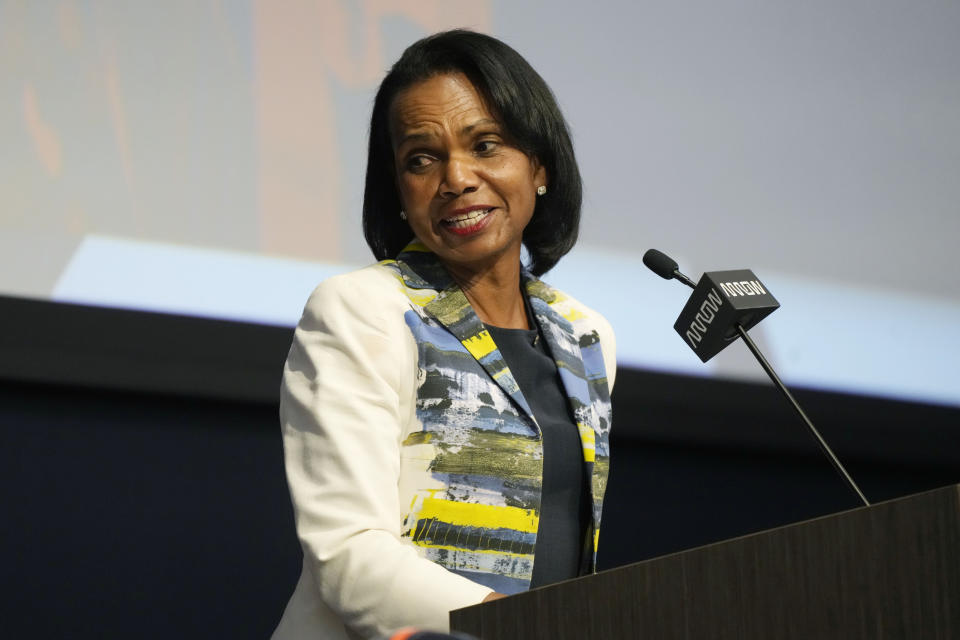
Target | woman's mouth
(468,222)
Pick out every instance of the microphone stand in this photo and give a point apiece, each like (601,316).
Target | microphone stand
(803,416)
(789,396)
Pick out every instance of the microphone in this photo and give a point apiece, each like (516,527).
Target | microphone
(665,266)
(721,301)
(723,305)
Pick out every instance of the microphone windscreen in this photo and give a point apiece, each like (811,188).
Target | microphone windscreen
(660,263)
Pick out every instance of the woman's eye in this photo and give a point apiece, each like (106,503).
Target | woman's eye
(418,161)
(486,146)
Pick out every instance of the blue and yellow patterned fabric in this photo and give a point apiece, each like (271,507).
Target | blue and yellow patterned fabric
(474,467)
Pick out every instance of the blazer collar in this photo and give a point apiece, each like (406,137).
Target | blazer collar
(420,269)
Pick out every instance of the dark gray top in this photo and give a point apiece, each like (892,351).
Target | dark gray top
(560,551)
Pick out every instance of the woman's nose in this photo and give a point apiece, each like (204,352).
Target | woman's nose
(459,177)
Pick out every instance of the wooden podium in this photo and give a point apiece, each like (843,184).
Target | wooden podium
(891,570)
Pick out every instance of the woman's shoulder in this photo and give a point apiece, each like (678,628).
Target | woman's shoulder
(583,318)
(374,290)
(377,276)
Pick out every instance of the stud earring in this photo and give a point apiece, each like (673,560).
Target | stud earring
(542,189)
(403,214)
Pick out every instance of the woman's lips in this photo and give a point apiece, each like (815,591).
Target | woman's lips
(468,222)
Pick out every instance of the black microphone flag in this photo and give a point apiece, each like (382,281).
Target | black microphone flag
(721,301)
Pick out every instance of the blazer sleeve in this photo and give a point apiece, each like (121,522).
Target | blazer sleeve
(348,391)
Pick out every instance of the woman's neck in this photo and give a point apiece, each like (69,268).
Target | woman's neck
(494,293)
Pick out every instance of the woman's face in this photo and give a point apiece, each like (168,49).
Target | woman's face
(467,192)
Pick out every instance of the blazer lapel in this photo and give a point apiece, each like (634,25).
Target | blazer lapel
(451,308)
(558,331)
(565,349)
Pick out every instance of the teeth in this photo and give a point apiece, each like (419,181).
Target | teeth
(467,220)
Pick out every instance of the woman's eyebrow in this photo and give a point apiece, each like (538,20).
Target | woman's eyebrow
(479,123)
(416,136)
(425,135)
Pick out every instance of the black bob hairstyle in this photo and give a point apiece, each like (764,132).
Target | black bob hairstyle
(525,106)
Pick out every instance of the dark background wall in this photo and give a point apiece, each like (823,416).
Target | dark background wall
(143,490)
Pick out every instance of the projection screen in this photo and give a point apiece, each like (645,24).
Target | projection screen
(207,158)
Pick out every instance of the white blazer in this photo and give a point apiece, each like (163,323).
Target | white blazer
(381,505)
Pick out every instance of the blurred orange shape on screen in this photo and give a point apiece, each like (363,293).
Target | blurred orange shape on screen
(44,137)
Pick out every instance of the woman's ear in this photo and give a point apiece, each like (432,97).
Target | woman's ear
(540,178)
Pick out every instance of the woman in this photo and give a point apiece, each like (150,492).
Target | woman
(445,413)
